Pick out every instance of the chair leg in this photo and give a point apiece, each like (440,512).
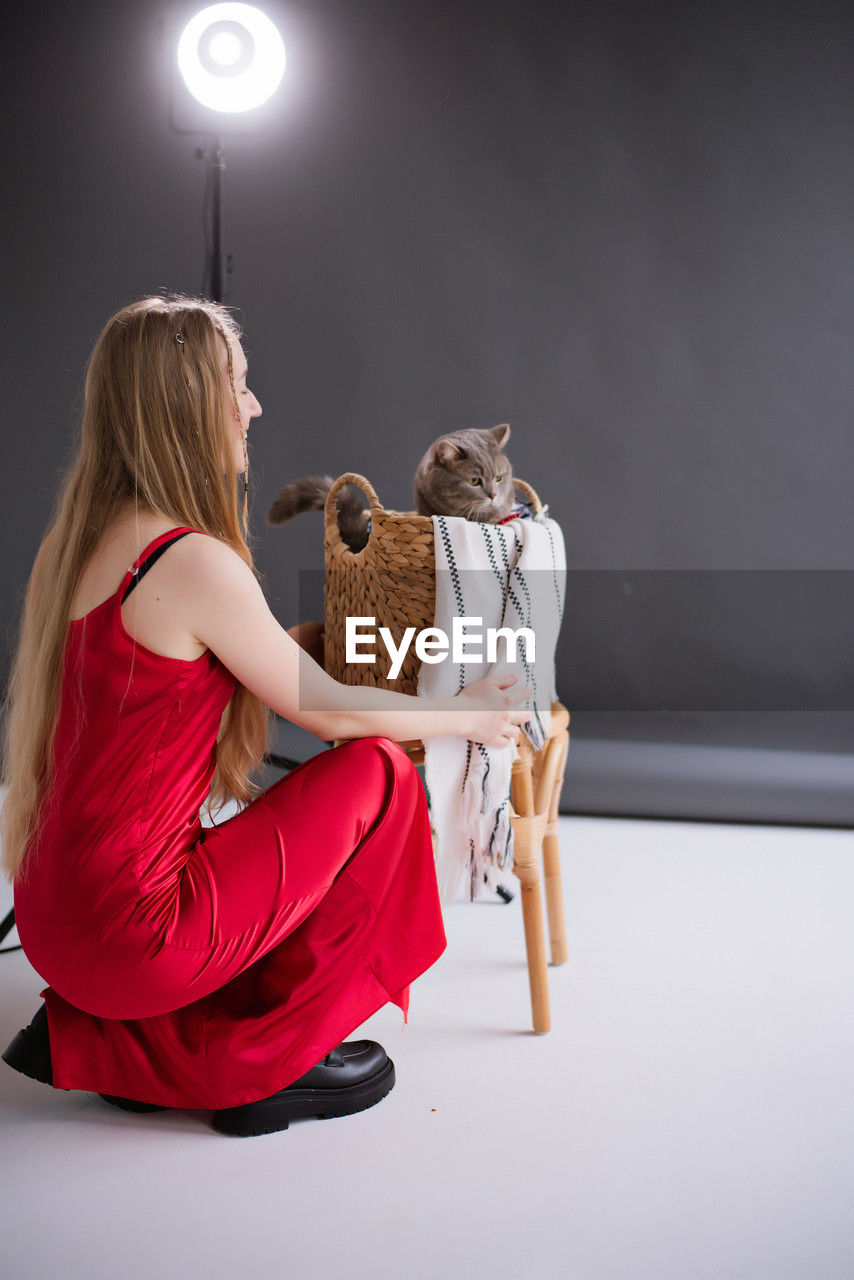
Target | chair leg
(554,899)
(535,786)
(535,945)
(548,768)
(551,865)
(528,828)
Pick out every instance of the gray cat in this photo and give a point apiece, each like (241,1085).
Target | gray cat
(465,473)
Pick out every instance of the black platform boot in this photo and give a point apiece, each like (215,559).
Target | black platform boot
(353,1077)
(29,1053)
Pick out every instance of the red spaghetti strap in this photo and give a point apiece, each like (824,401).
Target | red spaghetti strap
(147,551)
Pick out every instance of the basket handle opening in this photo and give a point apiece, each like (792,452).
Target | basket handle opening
(530,493)
(330,510)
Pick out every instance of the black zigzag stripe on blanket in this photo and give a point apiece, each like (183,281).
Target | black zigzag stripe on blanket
(524,610)
(455,577)
(495,573)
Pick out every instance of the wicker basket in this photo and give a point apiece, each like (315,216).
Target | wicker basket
(392,579)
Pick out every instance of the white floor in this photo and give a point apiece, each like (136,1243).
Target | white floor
(691,1115)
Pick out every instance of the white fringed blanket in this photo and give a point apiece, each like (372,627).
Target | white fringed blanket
(511,575)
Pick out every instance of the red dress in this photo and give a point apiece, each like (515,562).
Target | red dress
(208,967)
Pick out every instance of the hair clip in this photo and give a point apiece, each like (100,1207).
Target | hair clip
(178,338)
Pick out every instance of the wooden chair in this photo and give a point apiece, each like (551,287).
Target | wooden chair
(393,578)
(535,787)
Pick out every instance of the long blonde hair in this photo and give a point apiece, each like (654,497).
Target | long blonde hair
(157,431)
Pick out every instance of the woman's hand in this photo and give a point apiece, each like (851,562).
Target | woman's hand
(494,704)
(309,636)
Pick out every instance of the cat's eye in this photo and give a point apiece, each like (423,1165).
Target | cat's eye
(501,477)
(475,480)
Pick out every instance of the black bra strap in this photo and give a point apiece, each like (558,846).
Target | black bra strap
(150,560)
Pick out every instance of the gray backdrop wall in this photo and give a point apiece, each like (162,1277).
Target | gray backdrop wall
(624,228)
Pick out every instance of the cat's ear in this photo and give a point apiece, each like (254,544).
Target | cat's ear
(500,435)
(445,452)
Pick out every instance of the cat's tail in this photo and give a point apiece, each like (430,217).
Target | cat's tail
(309,494)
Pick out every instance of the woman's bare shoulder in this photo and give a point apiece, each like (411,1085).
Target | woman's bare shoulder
(203,556)
(204,575)
(131,533)
(119,546)
(200,578)
(196,560)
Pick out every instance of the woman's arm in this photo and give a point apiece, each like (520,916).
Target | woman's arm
(221,603)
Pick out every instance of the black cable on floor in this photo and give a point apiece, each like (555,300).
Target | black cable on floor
(6,926)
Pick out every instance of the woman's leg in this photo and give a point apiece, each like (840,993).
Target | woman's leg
(291,924)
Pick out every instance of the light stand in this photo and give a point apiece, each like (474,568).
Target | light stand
(217,260)
(231,60)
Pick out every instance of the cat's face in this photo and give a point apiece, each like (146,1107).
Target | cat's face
(467,473)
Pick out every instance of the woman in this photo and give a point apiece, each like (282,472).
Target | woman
(190,967)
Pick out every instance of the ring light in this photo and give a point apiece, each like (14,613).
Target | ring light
(231,57)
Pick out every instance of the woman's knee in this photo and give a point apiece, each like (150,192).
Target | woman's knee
(387,775)
(379,752)
(385,763)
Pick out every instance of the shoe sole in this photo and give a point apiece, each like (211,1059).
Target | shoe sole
(130,1104)
(271,1115)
